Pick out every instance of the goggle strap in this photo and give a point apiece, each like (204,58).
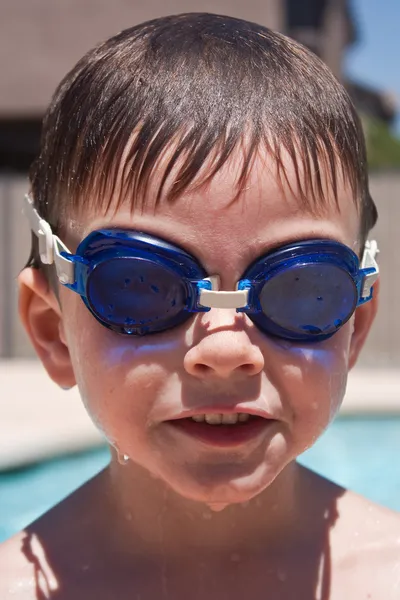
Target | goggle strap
(65,268)
(50,246)
(41,229)
(368,262)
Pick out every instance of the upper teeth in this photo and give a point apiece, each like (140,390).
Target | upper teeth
(218,419)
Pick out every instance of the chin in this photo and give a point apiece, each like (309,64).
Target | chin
(235,491)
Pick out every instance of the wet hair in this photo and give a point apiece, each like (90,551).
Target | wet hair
(192,89)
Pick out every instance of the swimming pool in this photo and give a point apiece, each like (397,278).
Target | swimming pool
(360,453)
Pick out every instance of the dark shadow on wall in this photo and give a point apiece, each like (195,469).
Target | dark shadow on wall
(19,143)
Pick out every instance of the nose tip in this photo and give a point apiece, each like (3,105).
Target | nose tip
(223,355)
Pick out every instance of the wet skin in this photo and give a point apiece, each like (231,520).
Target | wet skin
(140,526)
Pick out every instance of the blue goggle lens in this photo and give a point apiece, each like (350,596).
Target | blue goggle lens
(135,283)
(306,300)
(136,295)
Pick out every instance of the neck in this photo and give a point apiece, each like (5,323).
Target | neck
(145,509)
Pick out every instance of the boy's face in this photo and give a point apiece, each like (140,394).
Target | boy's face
(132,386)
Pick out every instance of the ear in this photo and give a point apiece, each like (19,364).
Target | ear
(41,315)
(364,317)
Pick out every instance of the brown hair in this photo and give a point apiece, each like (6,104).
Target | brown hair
(198,85)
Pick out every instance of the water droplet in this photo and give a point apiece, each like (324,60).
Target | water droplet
(235,557)
(207,516)
(281,575)
(123,459)
(311,329)
(130,326)
(217,506)
(155,289)
(319,298)
(127,282)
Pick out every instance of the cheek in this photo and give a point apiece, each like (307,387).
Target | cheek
(121,379)
(314,378)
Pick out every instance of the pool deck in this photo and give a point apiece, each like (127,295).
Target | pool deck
(38,420)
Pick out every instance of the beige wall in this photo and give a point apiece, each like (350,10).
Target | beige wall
(334,36)
(14,251)
(383,346)
(41,40)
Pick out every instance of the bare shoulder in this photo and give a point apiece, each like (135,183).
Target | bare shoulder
(36,560)
(365,544)
(17,572)
(361,551)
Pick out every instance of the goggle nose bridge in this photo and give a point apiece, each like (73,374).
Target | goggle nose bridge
(215,298)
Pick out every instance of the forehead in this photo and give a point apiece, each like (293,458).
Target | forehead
(268,211)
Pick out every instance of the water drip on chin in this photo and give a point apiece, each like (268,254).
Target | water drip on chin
(217,506)
(122,459)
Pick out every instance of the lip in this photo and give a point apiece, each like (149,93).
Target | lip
(223,436)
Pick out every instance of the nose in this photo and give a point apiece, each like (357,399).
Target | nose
(224,352)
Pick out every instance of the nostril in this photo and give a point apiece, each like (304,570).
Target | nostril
(203,369)
(247,368)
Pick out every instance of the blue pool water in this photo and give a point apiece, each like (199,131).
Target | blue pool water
(358,453)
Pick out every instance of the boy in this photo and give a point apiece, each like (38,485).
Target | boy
(200,269)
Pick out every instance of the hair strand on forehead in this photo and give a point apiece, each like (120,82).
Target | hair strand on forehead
(183,93)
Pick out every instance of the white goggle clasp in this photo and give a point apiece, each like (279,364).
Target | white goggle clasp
(216,299)
(368,262)
(50,246)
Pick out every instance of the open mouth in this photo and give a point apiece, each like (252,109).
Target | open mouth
(223,430)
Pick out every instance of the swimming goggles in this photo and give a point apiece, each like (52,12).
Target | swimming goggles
(137,284)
